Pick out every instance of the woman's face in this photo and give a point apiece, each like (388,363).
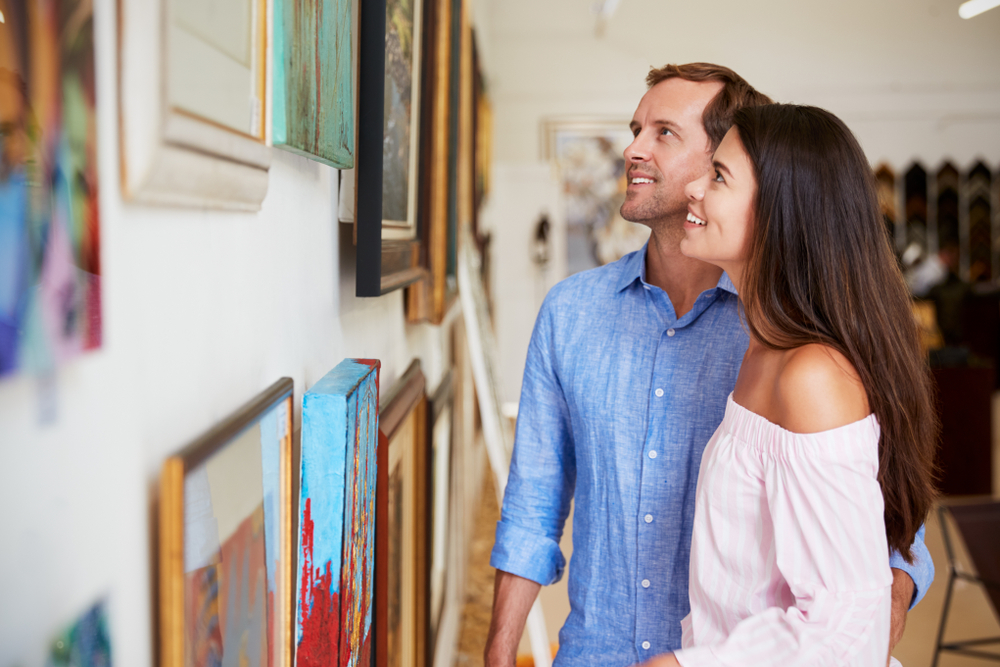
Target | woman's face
(720,208)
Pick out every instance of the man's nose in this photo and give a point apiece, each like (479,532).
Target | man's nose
(636,151)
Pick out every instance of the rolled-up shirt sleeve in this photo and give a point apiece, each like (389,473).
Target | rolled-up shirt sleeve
(921,570)
(828,527)
(543,466)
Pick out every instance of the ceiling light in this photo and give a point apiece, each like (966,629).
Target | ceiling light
(976,7)
(1,18)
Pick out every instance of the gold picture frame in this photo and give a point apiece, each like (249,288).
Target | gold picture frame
(225,510)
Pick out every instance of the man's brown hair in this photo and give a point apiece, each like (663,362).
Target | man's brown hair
(736,93)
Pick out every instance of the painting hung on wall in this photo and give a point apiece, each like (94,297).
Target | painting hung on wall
(85,643)
(589,156)
(225,541)
(336,550)
(50,268)
(313,84)
(401,121)
(402,568)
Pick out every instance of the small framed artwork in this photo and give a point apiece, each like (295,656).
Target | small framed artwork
(313,80)
(439,517)
(401,580)
(50,240)
(388,172)
(588,153)
(225,553)
(192,79)
(336,548)
(430,299)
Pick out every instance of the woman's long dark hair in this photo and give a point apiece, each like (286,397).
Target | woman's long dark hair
(820,270)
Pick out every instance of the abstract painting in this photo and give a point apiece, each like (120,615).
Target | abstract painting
(589,156)
(336,549)
(313,102)
(402,567)
(86,643)
(401,122)
(50,268)
(225,541)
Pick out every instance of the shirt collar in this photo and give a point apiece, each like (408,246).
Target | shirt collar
(634,268)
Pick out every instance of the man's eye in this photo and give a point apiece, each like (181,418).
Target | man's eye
(666,132)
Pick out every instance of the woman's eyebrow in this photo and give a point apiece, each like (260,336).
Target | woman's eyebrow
(721,167)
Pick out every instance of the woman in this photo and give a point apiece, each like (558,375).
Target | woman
(823,461)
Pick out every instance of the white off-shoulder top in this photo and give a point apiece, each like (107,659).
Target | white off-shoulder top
(789,559)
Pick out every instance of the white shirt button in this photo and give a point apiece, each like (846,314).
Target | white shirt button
(652,454)
(645,645)
(645,583)
(670,332)
(659,393)
(648,518)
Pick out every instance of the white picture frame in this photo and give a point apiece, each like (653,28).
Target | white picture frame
(193,157)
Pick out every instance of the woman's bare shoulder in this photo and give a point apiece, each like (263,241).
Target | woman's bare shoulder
(818,389)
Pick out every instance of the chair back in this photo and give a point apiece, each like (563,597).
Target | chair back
(979,526)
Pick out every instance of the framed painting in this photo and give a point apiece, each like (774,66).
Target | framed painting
(225,549)
(50,259)
(313,80)
(192,81)
(401,580)
(588,152)
(439,519)
(387,176)
(429,299)
(336,547)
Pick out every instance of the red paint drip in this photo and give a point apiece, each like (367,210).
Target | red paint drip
(320,621)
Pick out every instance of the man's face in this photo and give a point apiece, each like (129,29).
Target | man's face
(670,149)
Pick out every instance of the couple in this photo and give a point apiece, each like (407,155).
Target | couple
(766,308)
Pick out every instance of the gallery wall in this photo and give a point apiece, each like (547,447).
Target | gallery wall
(912,79)
(202,310)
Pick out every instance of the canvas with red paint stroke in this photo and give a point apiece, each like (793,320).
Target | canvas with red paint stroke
(226,602)
(337,517)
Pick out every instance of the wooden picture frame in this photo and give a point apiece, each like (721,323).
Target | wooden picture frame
(312,63)
(401,572)
(440,551)
(388,254)
(430,299)
(194,127)
(336,544)
(213,521)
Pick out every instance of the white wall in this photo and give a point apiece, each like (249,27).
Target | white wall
(912,79)
(202,310)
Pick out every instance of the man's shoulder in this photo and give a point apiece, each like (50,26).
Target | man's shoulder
(588,288)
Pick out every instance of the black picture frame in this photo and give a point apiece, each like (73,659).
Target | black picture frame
(382,265)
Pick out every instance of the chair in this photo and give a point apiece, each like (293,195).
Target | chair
(978,525)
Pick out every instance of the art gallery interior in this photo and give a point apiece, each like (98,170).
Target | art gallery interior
(222,215)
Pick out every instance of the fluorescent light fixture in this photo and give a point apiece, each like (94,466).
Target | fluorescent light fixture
(976,7)
(1,18)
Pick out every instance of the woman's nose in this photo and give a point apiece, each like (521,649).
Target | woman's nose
(695,190)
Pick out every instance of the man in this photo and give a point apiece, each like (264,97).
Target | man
(627,376)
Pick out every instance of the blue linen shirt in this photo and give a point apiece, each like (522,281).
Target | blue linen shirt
(619,399)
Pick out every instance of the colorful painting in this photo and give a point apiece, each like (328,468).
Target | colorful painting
(232,554)
(589,155)
(50,273)
(313,103)
(86,643)
(225,542)
(401,123)
(337,517)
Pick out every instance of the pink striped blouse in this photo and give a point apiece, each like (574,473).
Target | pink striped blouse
(789,559)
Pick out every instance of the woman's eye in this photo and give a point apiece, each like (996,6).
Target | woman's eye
(718,177)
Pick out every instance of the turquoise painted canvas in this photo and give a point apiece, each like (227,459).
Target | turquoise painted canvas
(333,624)
(313,105)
